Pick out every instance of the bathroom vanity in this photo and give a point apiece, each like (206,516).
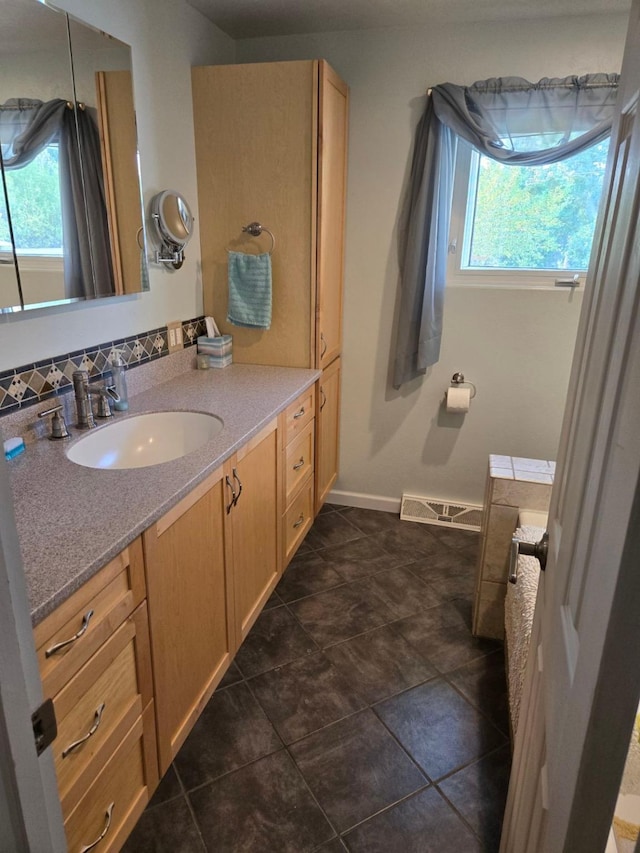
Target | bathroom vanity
(144,582)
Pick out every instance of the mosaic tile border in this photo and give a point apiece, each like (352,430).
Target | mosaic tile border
(32,383)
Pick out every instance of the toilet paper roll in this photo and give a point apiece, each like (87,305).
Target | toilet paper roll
(458,400)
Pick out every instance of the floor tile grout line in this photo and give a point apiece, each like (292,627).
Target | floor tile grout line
(415,761)
(457,811)
(471,763)
(295,763)
(366,707)
(386,808)
(315,800)
(353,581)
(185,795)
(478,708)
(216,779)
(196,824)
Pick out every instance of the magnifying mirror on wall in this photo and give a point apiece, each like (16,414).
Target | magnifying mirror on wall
(173,223)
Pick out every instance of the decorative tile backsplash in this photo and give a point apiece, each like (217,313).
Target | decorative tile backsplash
(32,383)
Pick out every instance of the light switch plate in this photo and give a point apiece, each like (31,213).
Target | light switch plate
(175,341)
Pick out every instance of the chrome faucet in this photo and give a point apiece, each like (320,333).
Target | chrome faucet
(84,392)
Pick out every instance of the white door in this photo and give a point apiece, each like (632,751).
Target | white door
(30,816)
(583,674)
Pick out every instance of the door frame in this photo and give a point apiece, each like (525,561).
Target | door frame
(30,814)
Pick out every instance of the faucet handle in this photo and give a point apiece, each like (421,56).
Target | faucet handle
(58,426)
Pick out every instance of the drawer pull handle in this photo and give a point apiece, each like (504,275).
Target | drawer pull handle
(107,826)
(94,728)
(324,345)
(233,495)
(299,521)
(299,464)
(299,414)
(324,399)
(58,646)
(239,481)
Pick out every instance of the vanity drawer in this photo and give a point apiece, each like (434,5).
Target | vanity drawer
(298,519)
(298,414)
(298,461)
(67,638)
(98,706)
(116,799)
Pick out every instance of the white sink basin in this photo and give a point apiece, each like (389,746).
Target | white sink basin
(144,440)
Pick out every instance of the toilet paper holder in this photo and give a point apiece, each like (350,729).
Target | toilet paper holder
(458,379)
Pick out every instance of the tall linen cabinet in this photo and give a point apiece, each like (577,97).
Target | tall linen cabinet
(271,147)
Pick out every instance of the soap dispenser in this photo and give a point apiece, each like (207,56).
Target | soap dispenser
(119,380)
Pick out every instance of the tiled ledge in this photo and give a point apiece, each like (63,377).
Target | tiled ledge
(33,383)
(519,468)
(513,483)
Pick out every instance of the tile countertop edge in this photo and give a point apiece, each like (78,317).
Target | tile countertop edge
(72,520)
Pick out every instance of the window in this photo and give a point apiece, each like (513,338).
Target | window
(36,210)
(523,225)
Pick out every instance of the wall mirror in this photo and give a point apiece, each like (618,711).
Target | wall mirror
(71,220)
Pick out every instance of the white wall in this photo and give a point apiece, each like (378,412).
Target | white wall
(515,345)
(167,38)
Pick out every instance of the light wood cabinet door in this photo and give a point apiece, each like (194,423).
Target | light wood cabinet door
(328,431)
(281,161)
(253,525)
(262,167)
(333,107)
(190,604)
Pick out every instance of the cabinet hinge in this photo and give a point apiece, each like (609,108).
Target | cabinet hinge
(45,727)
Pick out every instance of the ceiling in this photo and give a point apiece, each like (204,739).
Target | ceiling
(249,18)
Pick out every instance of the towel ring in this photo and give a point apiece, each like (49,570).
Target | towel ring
(255,229)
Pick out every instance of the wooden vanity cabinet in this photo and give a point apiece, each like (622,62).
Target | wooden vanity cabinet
(190,594)
(297,428)
(211,563)
(327,431)
(252,543)
(95,665)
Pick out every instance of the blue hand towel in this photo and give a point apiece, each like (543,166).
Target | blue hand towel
(249,290)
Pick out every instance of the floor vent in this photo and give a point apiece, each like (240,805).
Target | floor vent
(428,511)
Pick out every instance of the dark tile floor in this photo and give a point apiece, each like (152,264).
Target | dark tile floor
(360,714)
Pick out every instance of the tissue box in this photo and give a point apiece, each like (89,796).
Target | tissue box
(219,350)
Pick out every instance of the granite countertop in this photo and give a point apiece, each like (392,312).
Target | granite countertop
(72,520)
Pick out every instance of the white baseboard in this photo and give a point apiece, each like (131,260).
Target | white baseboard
(363,501)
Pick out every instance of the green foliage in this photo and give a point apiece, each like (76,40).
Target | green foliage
(537,217)
(34,203)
